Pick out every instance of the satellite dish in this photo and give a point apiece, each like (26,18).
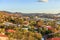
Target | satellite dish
(42,0)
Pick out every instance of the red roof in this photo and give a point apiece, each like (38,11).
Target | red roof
(10,30)
(1,35)
(53,39)
(49,27)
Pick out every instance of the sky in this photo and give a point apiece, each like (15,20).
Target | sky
(30,6)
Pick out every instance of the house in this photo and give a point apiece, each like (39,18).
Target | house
(3,37)
(53,39)
(9,24)
(10,30)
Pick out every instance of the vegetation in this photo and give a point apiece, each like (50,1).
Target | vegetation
(21,28)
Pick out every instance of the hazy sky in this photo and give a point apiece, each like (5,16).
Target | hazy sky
(30,6)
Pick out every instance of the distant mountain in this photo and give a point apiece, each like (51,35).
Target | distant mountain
(28,14)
